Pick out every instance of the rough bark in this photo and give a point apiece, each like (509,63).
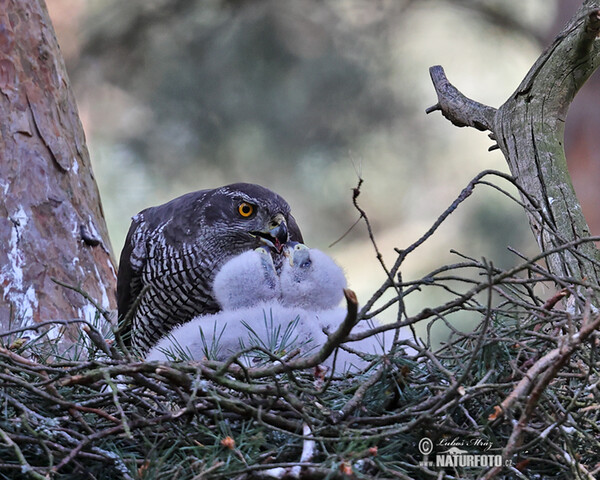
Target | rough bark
(51,220)
(529,130)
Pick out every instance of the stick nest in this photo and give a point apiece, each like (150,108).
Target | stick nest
(521,385)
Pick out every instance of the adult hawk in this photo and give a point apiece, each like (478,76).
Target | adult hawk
(173,251)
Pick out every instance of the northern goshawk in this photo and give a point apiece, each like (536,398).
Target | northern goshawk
(173,251)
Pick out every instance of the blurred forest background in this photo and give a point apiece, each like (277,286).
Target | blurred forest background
(299,96)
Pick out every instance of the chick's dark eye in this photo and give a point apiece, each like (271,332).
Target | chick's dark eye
(245,209)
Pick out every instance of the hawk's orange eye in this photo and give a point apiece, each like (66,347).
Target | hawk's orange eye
(245,209)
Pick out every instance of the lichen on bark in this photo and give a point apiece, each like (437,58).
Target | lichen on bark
(48,191)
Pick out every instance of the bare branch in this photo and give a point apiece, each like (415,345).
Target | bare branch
(456,107)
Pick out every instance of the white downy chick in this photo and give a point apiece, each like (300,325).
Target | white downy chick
(311,287)
(246,280)
(311,280)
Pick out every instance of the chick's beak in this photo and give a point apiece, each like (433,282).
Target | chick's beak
(288,249)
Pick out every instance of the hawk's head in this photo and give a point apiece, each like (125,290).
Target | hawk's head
(228,220)
(252,214)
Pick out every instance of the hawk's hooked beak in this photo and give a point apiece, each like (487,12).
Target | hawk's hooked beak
(276,235)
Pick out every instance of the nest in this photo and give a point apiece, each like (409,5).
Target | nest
(515,397)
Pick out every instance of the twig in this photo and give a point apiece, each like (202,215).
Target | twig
(358,397)
(536,381)
(25,467)
(105,313)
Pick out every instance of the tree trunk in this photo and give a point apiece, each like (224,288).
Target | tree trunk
(529,130)
(52,226)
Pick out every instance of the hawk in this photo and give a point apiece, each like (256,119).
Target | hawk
(173,251)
